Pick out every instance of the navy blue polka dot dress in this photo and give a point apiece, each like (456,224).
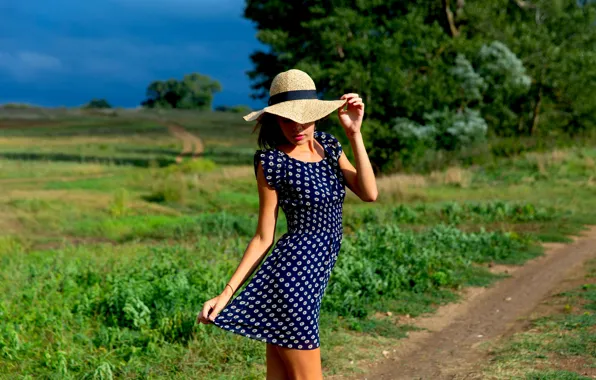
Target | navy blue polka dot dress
(281,303)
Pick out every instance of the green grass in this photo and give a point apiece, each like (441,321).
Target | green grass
(559,345)
(380,263)
(108,250)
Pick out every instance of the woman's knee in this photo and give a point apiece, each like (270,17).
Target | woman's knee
(276,368)
(302,364)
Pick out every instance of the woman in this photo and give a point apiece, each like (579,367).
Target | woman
(305,172)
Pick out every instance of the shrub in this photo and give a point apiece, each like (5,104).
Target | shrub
(382,262)
(172,183)
(452,213)
(198,165)
(239,109)
(98,103)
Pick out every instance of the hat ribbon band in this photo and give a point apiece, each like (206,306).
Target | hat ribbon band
(292,95)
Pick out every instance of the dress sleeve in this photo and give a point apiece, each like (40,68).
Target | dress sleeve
(332,143)
(334,147)
(272,166)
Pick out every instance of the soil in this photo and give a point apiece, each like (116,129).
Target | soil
(191,144)
(455,340)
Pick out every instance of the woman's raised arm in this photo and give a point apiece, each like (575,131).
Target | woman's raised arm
(360,179)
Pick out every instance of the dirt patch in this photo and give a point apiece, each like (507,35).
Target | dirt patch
(575,364)
(191,144)
(503,269)
(69,241)
(88,198)
(457,334)
(555,304)
(10,224)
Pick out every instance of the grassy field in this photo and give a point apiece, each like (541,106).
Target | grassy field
(559,342)
(108,247)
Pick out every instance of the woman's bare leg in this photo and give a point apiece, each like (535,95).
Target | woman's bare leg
(302,364)
(276,369)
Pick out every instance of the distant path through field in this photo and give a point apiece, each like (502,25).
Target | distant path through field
(190,143)
(450,348)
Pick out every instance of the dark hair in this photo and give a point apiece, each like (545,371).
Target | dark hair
(270,133)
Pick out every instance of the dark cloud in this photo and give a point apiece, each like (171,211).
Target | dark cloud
(24,66)
(66,52)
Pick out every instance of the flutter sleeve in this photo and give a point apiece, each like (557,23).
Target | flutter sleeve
(332,143)
(272,165)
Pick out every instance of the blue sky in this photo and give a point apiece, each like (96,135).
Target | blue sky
(65,52)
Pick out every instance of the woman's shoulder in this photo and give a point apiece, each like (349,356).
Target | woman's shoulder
(268,157)
(270,161)
(264,153)
(327,137)
(329,140)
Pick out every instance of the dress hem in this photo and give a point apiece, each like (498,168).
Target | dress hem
(266,339)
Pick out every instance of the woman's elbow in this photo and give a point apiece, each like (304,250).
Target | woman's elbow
(266,240)
(372,197)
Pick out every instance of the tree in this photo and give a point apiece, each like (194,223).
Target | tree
(556,41)
(384,50)
(515,63)
(98,103)
(194,91)
(240,109)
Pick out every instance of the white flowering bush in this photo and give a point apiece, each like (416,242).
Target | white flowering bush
(488,83)
(457,129)
(472,83)
(412,139)
(503,69)
(444,129)
(407,129)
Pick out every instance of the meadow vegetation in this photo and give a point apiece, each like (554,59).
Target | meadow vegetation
(108,247)
(558,342)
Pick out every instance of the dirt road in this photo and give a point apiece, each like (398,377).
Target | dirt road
(191,144)
(451,348)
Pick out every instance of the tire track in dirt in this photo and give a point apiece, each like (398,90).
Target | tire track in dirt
(191,144)
(451,348)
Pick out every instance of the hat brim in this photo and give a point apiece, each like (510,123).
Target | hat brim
(302,111)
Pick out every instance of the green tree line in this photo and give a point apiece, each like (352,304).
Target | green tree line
(438,74)
(193,91)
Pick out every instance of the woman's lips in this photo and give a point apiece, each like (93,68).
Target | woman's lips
(299,137)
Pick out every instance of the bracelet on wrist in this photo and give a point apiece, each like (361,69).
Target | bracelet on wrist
(233,291)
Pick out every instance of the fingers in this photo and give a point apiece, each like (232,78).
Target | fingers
(203,315)
(353,100)
(215,311)
(355,103)
(210,310)
(349,96)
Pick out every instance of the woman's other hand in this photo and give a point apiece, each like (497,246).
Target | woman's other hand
(212,307)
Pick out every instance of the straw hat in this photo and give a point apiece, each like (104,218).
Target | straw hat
(293,95)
